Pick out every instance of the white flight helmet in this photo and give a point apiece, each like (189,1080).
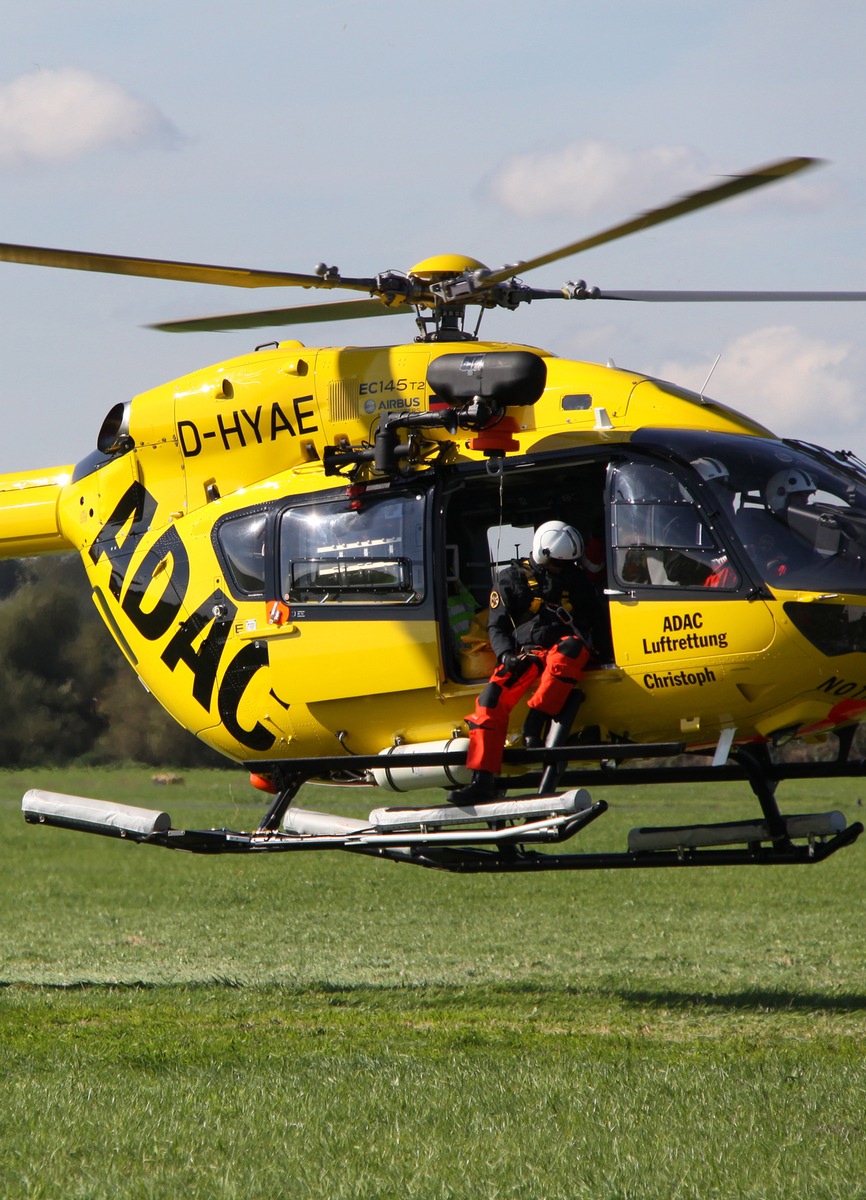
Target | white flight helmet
(555,541)
(784,484)
(711,468)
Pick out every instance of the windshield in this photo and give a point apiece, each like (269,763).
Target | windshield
(799,512)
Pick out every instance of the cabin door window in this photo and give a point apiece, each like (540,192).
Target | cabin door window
(659,538)
(367,551)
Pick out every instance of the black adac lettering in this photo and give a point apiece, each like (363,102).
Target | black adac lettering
(227,431)
(843,688)
(237,677)
(253,422)
(133,512)
(155,620)
(189,438)
(204,660)
(673,624)
(302,416)
(280,423)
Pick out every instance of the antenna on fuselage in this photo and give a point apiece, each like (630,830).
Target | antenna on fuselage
(709,377)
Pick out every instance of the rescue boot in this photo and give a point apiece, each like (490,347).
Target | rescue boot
(559,731)
(535,728)
(481,787)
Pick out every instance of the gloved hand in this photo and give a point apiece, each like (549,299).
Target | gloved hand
(509,660)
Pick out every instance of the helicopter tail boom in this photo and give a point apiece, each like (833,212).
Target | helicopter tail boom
(29,518)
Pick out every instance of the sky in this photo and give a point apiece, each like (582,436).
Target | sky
(374,133)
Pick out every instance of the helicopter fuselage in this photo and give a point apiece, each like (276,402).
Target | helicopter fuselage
(283,596)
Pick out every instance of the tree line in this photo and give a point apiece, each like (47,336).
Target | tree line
(67,694)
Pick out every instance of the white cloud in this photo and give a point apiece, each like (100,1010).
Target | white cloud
(598,178)
(797,384)
(58,116)
(586,176)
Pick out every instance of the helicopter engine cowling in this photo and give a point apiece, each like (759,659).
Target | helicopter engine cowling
(492,381)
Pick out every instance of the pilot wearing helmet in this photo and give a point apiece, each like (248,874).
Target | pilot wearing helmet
(788,487)
(711,469)
(540,615)
(779,545)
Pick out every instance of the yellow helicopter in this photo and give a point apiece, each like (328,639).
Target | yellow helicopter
(294,550)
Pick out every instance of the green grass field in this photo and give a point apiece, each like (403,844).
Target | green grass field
(333,1026)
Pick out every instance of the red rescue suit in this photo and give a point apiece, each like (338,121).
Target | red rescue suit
(533,634)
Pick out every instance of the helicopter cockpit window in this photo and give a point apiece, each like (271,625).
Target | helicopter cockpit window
(333,553)
(798,512)
(659,537)
(805,527)
(242,541)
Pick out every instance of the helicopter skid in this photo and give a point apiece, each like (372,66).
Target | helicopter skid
(468,839)
(731,833)
(93,816)
(550,819)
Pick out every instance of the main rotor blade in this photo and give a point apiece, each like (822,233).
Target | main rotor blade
(158,268)
(732,186)
(673,297)
(304,314)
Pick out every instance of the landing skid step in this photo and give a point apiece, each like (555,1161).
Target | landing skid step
(732,833)
(452,816)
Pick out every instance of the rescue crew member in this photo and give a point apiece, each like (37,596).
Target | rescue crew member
(539,614)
